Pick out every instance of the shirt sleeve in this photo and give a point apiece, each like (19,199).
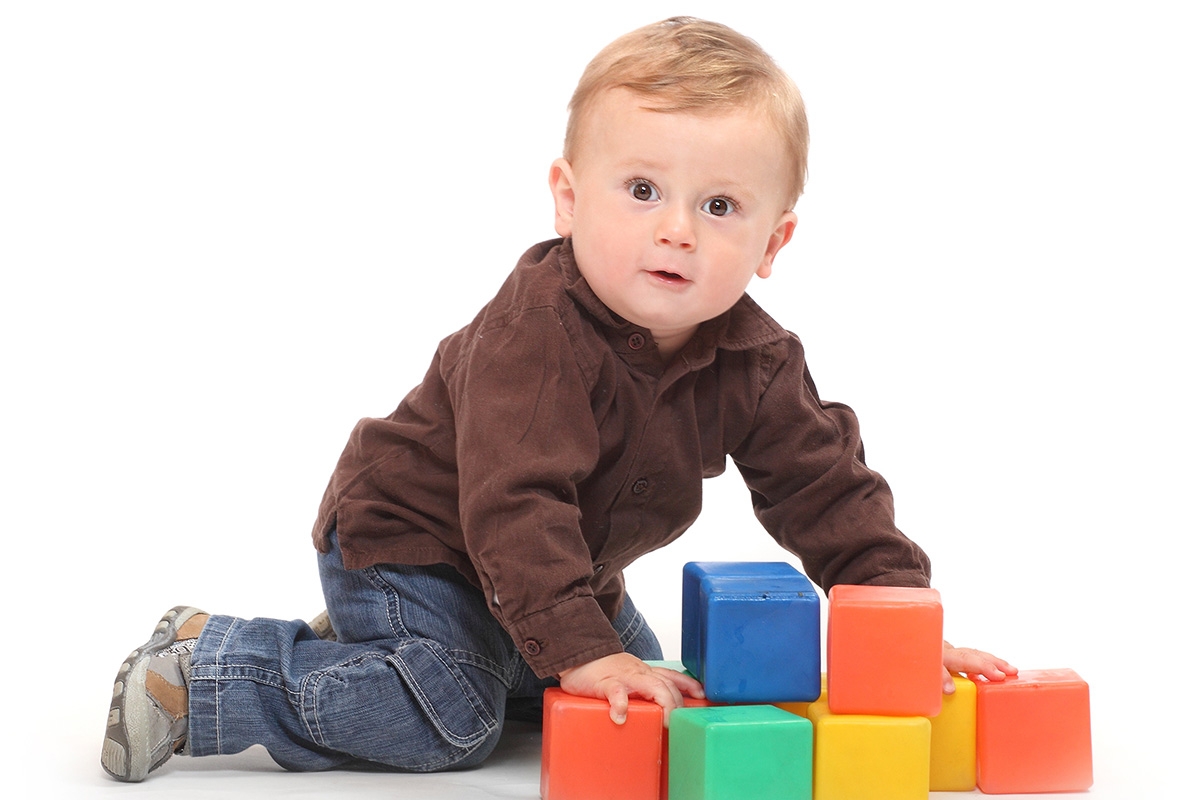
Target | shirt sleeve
(812,490)
(525,438)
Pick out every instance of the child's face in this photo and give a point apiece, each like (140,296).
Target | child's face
(672,214)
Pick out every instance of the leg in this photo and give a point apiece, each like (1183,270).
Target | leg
(417,680)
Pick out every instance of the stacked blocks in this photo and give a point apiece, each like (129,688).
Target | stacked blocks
(869,757)
(1035,733)
(752,632)
(872,729)
(875,726)
(738,752)
(586,756)
(885,651)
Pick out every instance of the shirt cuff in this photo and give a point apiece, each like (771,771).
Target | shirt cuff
(909,577)
(571,633)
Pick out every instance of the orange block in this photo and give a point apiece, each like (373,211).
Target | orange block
(586,756)
(884,651)
(1034,733)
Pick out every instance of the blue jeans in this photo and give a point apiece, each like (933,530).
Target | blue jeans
(420,678)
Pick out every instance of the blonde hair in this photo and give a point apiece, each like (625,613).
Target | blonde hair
(684,64)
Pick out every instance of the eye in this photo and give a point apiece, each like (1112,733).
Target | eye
(719,206)
(642,190)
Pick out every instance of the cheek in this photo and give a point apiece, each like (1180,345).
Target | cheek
(607,237)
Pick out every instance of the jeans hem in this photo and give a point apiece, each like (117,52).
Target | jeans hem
(204,737)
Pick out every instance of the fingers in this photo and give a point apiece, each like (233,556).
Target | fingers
(947,682)
(686,684)
(976,662)
(619,677)
(650,687)
(659,687)
(618,702)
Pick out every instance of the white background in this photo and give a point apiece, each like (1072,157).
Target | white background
(230,230)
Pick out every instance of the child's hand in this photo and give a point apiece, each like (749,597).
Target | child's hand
(620,676)
(972,662)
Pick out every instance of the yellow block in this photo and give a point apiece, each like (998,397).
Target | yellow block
(952,742)
(869,757)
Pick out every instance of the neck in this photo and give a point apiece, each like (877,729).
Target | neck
(671,343)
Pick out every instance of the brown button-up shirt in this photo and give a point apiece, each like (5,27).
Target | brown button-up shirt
(548,447)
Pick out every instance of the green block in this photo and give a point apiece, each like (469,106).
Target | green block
(740,752)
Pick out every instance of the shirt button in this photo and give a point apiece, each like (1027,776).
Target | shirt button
(532,647)
(640,486)
(636,341)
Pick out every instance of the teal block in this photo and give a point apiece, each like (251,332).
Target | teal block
(739,752)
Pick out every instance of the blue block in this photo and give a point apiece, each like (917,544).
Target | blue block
(752,632)
(693,573)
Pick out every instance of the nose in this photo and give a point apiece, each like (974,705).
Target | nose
(675,228)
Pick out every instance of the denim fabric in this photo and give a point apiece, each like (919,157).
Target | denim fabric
(421,678)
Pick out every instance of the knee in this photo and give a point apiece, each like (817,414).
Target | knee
(398,710)
(460,756)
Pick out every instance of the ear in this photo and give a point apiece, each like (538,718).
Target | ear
(779,237)
(562,186)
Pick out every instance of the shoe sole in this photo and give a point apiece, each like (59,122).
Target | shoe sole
(129,714)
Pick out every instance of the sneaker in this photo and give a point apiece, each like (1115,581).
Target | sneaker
(147,721)
(322,627)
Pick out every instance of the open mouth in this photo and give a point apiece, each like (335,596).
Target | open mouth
(670,277)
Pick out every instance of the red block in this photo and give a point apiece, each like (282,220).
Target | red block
(1034,733)
(586,756)
(884,651)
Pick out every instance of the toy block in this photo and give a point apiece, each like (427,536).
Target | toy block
(688,702)
(800,709)
(695,571)
(952,741)
(1034,733)
(738,752)
(586,756)
(869,757)
(884,651)
(752,632)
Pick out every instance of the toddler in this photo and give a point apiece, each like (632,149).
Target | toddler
(471,544)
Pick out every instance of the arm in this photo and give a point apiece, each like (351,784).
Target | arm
(525,438)
(802,459)
(812,489)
